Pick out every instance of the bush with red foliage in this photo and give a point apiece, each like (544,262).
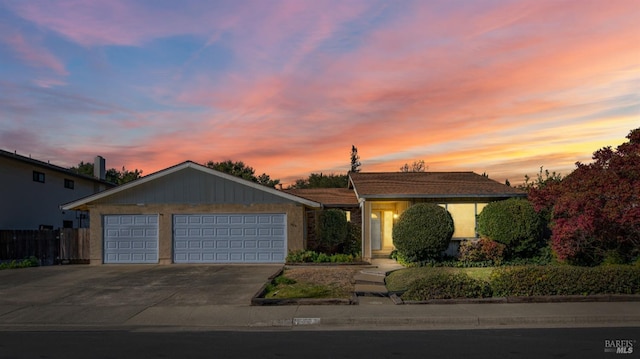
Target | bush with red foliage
(481,250)
(596,209)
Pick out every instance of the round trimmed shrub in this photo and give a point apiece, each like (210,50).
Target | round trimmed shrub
(514,223)
(423,232)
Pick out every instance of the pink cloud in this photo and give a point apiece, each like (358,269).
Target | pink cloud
(118,22)
(495,80)
(34,54)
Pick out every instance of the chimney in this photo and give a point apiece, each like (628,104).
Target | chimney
(99,169)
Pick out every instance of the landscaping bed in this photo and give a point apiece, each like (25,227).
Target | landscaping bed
(310,284)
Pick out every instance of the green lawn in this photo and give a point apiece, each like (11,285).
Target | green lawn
(286,288)
(399,280)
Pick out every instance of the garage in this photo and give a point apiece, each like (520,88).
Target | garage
(130,238)
(189,213)
(229,238)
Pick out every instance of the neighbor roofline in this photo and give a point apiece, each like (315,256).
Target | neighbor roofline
(47,165)
(435,196)
(188,164)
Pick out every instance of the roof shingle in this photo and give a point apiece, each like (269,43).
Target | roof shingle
(428,185)
(337,197)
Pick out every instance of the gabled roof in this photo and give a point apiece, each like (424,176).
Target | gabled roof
(82,203)
(428,185)
(49,166)
(329,197)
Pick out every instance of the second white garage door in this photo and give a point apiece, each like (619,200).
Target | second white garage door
(229,238)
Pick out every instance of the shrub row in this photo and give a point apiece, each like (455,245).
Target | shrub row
(306,256)
(565,280)
(443,285)
(528,281)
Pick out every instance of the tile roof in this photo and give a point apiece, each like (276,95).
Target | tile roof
(339,197)
(428,185)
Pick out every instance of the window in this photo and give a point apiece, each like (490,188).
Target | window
(68,183)
(464,219)
(38,176)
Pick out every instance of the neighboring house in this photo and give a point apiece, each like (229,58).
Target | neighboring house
(32,191)
(384,196)
(189,213)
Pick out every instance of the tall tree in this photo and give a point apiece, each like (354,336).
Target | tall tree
(240,169)
(112,175)
(355,160)
(320,180)
(416,166)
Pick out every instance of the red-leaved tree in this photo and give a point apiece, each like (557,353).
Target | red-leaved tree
(595,210)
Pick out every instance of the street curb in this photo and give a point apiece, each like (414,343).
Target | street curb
(479,322)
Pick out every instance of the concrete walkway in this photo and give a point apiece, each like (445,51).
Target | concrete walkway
(371,281)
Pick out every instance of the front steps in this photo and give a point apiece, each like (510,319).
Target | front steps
(370,283)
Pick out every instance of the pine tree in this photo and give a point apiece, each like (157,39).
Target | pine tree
(355,160)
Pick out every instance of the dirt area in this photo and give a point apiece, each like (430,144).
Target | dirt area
(339,277)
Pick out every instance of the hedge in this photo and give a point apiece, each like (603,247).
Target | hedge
(444,285)
(565,280)
(528,281)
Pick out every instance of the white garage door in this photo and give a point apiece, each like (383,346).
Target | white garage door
(131,239)
(229,238)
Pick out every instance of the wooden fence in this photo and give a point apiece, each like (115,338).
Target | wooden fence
(68,245)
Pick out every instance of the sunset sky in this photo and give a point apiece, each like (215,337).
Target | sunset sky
(501,87)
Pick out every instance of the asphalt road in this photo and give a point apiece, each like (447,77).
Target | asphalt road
(513,343)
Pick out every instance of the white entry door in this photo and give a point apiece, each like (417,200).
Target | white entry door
(376,230)
(130,238)
(229,238)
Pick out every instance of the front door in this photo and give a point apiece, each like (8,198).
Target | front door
(381,230)
(376,230)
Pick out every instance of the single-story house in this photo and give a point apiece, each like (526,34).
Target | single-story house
(384,196)
(190,213)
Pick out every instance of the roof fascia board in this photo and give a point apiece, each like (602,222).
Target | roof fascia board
(124,187)
(179,167)
(410,196)
(355,190)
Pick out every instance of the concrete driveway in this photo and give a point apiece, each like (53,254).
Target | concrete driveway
(81,293)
